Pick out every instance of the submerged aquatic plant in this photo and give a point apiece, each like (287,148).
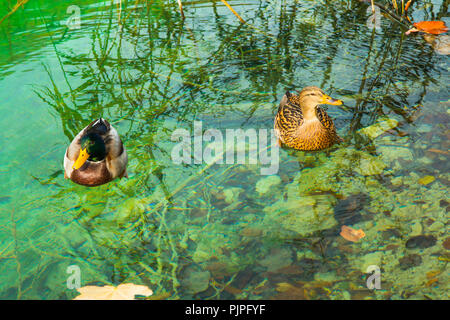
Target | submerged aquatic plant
(180,6)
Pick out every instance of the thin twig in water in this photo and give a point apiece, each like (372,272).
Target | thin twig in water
(180,5)
(119,7)
(232,10)
(17,6)
(394,4)
(391,14)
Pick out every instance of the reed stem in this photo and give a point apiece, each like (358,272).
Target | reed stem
(180,5)
(16,7)
(232,10)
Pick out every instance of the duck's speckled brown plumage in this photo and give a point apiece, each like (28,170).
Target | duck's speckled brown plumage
(301,124)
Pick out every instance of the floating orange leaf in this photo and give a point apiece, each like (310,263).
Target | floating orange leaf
(432,27)
(351,234)
(124,291)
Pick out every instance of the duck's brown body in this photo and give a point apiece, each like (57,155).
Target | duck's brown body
(92,174)
(301,124)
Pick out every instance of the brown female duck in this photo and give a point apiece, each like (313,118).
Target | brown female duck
(301,124)
(96,155)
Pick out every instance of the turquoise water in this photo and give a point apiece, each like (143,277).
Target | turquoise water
(224,231)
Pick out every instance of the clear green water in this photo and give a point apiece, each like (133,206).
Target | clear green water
(192,231)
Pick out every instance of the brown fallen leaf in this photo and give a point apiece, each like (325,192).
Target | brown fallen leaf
(284,286)
(351,234)
(287,291)
(124,291)
(233,290)
(431,27)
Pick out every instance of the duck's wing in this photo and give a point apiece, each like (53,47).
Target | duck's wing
(117,157)
(327,123)
(289,116)
(325,119)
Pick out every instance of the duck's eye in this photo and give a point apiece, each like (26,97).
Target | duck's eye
(313,94)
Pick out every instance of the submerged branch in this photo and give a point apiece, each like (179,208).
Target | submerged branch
(16,7)
(393,15)
(232,10)
(180,5)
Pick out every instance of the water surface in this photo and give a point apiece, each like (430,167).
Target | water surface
(223,231)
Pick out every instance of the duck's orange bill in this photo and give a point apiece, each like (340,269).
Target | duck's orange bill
(329,100)
(82,157)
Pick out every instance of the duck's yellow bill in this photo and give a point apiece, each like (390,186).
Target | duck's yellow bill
(82,157)
(329,100)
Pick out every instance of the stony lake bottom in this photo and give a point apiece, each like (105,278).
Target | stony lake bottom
(224,231)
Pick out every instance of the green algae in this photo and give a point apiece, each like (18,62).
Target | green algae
(264,185)
(379,128)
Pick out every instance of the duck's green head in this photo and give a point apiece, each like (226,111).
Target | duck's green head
(92,148)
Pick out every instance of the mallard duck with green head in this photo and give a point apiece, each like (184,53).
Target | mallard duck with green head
(96,155)
(302,124)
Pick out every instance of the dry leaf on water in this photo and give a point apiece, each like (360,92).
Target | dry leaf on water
(124,291)
(432,27)
(351,234)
